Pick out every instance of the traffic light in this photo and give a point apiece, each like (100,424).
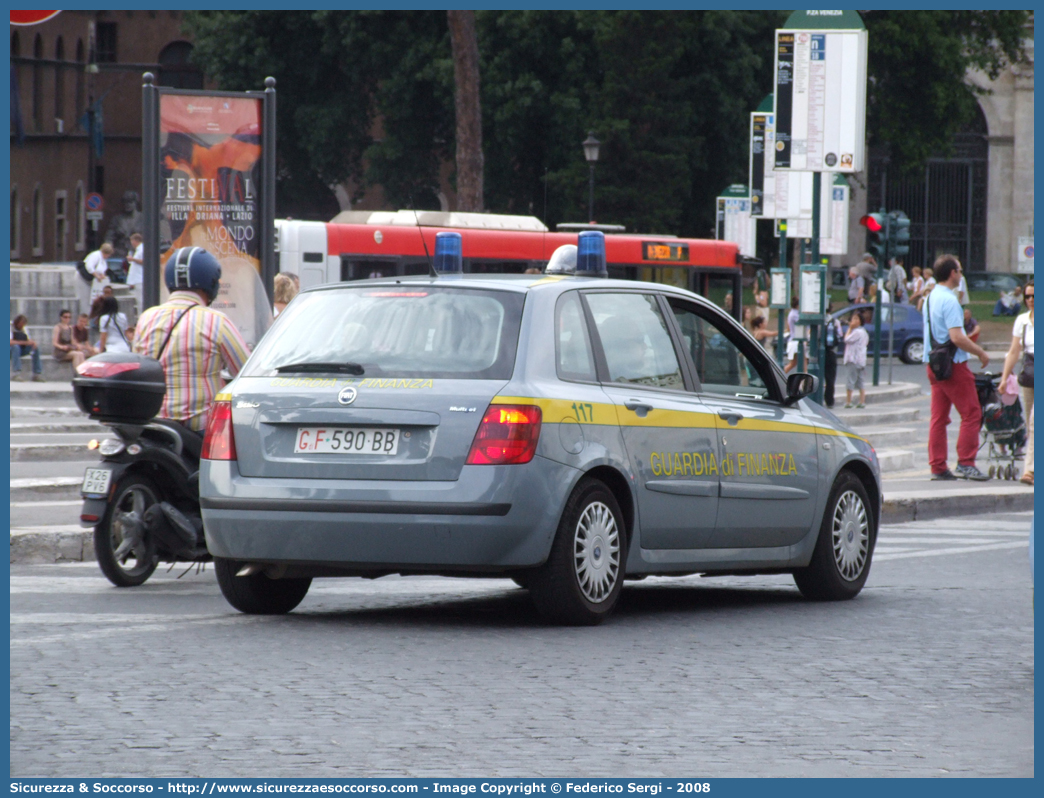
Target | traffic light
(898,234)
(876,224)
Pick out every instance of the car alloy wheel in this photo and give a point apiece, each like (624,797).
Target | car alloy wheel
(851,536)
(596,548)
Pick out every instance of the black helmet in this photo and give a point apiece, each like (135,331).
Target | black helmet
(193,269)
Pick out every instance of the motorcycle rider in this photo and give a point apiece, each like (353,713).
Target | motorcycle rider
(202,341)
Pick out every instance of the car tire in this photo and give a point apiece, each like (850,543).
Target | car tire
(913,350)
(581,581)
(845,546)
(133,495)
(257,594)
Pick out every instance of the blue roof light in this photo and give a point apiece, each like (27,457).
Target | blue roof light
(590,254)
(448,253)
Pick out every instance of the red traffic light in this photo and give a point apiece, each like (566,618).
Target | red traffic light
(874,222)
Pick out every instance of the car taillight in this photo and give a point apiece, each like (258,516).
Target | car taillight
(219,443)
(508,435)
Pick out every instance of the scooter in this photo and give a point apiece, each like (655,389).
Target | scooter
(143,498)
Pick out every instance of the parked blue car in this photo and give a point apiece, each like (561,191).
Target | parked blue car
(908,338)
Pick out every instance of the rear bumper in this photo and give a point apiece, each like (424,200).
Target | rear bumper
(493,518)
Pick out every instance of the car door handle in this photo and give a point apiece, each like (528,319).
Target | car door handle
(638,407)
(731,416)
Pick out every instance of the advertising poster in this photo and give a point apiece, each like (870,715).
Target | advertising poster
(210,182)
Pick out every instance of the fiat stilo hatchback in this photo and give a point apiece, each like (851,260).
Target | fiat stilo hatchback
(563,430)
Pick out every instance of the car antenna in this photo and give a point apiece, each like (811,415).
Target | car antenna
(431,267)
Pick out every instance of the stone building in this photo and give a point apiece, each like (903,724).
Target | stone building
(76,62)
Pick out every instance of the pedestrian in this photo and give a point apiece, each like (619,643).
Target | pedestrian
(962,291)
(856,286)
(82,335)
(971,326)
(896,282)
(762,335)
(22,345)
(831,335)
(867,268)
(856,342)
(793,332)
(929,284)
(62,346)
(943,321)
(112,324)
(1008,304)
(136,272)
(97,264)
(1022,344)
(283,291)
(915,287)
(761,306)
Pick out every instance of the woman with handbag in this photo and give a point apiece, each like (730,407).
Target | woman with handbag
(1022,344)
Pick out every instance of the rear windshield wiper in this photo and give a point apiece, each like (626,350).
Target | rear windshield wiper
(344,368)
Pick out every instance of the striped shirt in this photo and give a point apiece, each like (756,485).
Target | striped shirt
(203,343)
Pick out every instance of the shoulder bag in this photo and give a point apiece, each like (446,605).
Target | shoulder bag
(1026,376)
(940,356)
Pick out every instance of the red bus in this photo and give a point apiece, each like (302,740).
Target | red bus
(358,245)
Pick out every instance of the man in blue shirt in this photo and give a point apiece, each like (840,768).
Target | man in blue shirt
(943,315)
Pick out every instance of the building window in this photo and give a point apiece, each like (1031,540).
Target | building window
(81,219)
(38,85)
(176,69)
(61,199)
(59,86)
(16,222)
(105,43)
(80,79)
(38,221)
(16,45)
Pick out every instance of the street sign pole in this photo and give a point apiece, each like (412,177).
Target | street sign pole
(877,300)
(817,356)
(781,348)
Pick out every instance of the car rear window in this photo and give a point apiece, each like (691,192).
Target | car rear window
(397,331)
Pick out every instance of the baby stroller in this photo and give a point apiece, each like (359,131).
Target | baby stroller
(1003,433)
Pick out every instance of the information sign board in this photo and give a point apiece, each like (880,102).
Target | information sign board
(774,194)
(734,222)
(820,92)
(1025,255)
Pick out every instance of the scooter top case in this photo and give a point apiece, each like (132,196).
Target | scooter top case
(120,387)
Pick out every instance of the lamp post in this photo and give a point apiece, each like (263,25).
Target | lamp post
(590,145)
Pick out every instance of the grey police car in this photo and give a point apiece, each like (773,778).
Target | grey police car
(564,430)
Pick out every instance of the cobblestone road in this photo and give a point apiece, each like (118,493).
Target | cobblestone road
(928,673)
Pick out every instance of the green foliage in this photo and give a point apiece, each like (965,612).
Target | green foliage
(918,61)
(368,96)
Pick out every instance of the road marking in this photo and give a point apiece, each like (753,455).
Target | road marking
(1024,544)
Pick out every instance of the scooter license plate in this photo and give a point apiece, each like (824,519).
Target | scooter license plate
(96,480)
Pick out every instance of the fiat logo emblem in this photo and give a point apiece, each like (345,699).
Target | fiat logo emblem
(347,395)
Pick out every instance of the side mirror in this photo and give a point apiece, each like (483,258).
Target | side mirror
(799,385)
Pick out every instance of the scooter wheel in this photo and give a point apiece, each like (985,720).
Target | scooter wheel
(125,554)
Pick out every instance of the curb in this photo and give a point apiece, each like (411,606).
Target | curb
(71,543)
(897,391)
(60,544)
(45,452)
(897,511)
(45,487)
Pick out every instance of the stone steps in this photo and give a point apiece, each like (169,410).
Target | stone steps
(890,437)
(896,392)
(878,417)
(895,460)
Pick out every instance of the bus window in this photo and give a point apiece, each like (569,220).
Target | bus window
(667,275)
(360,269)
(481,266)
(719,291)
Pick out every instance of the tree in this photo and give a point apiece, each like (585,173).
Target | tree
(468,110)
(919,95)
